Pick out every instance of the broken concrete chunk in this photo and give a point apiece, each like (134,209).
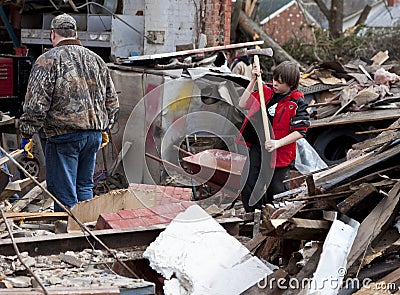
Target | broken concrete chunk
(72,259)
(20,282)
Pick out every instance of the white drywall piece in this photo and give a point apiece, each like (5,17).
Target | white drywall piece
(197,256)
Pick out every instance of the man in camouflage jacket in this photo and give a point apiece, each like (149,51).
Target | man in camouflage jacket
(71,96)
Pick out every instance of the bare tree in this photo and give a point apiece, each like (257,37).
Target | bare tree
(334,16)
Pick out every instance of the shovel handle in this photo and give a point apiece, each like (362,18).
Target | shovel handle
(262,101)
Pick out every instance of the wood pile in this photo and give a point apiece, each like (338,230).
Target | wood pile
(366,189)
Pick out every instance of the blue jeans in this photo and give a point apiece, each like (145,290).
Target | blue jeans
(70,162)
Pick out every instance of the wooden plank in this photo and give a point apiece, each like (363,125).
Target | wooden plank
(299,229)
(255,242)
(340,167)
(36,216)
(378,130)
(357,117)
(251,8)
(368,178)
(193,51)
(361,203)
(380,58)
(393,278)
(358,165)
(373,223)
(29,197)
(333,195)
(373,143)
(14,187)
(14,154)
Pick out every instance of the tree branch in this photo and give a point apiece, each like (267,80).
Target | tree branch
(323,8)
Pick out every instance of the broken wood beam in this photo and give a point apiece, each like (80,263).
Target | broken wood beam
(350,168)
(255,242)
(325,196)
(37,216)
(298,228)
(357,117)
(393,280)
(368,178)
(14,154)
(361,203)
(14,187)
(20,204)
(373,224)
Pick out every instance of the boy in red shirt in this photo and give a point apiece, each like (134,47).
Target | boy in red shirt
(288,116)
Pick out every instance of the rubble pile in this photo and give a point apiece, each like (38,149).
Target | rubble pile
(70,269)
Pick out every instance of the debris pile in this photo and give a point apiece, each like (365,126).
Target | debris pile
(355,87)
(340,223)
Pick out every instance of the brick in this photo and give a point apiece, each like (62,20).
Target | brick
(168,208)
(152,220)
(101,223)
(140,212)
(126,223)
(104,219)
(125,214)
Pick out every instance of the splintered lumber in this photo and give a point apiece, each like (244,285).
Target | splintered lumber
(368,178)
(14,187)
(380,58)
(333,195)
(275,247)
(373,224)
(386,245)
(350,168)
(307,271)
(393,278)
(28,198)
(298,228)
(377,141)
(359,204)
(14,154)
(37,216)
(378,130)
(357,117)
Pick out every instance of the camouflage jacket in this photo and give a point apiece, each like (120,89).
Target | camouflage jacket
(69,89)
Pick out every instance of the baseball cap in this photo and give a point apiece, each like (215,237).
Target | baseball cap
(63,21)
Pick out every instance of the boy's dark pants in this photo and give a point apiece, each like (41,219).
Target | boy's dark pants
(256,180)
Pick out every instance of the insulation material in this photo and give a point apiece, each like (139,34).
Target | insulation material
(197,256)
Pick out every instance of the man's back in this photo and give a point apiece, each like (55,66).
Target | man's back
(74,85)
